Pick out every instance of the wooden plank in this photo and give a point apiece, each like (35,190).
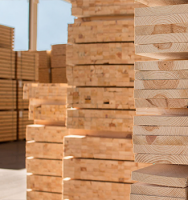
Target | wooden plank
(44,75)
(106,98)
(58,61)
(44,150)
(58,50)
(86,32)
(146,197)
(100,75)
(107,120)
(42,133)
(95,190)
(44,167)
(158,191)
(45,183)
(99,170)
(98,148)
(163,175)
(33,195)
(101,53)
(59,75)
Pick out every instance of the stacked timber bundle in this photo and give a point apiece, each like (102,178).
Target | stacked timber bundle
(98,154)
(160,127)
(44,147)
(44,66)
(27,63)
(58,63)
(8,116)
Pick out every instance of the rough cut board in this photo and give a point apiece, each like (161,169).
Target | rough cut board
(109,120)
(59,75)
(33,195)
(101,75)
(96,190)
(99,170)
(160,130)
(101,53)
(7,63)
(7,94)
(158,191)
(101,31)
(45,183)
(45,91)
(58,50)
(163,175)
(161,2)
(162,159)
(44,150)
(98,148)
(27,65)
(146,197)
(6,37)
(42,133)
(45,75)
(58,61)
(106,98)
(44,167)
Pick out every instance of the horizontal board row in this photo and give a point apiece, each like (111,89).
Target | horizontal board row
(161,2)
(7,37)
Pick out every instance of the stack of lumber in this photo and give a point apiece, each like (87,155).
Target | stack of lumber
(98,154)
(44,147)
(44,66)
(58,63)
(6,37)
(160,127)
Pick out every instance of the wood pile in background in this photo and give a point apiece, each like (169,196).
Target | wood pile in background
(6,37)
(58,63)
(160,127)
(44,147)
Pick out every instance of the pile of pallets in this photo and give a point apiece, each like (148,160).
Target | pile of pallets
(58,63)
(44,147)
(98,154)
(161,97)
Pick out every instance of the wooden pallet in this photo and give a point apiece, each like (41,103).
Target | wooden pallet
(102,53)
(100,31)
(101,98)
(27,65)
(6,37)
(59,75)
(101,75)
(7,94)
(100,120)
(7,63)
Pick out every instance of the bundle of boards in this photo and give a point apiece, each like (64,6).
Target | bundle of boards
(160,128)
(98,153)
(44,147)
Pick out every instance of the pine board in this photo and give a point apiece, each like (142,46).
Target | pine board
(58,49)
(33,195)
(59,75)
(58,61)
(44,75)
(161,2)
(103,98)
(146,197)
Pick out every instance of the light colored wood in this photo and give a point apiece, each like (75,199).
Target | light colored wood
(158,191)
(101,31)
(44,167)
(107,120)
(162,159)
(99,170)
(105,98)
(59,75)
(161,2)
(101,53)
(45,183)
(42,133)
(146,197)
(163,175)
(58,49)
(101,75)
(33,195)
(98,148)
(96,190)
(44,150)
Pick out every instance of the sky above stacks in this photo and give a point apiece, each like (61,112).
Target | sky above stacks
(53,19)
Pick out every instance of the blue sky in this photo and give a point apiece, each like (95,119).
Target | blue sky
(53,18)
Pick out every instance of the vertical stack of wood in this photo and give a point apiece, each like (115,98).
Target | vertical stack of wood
(44,147)
(27,67)
(8,116)
(58,63)
(98,156)
(161,98)
(44,66)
